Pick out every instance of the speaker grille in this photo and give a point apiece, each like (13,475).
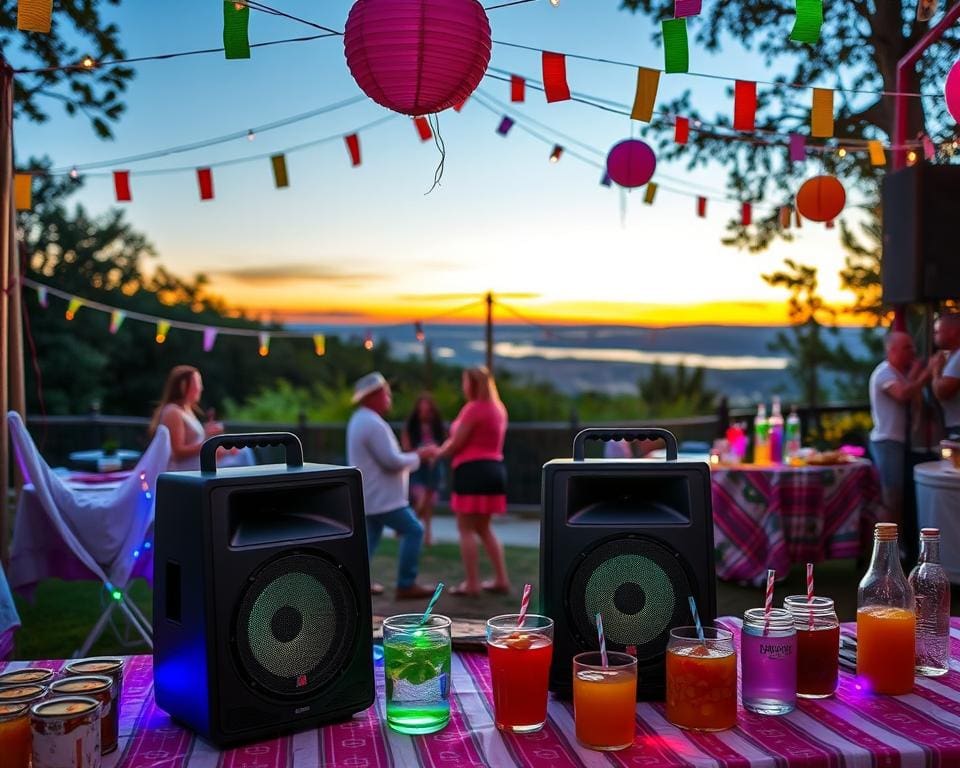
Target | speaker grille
(639,588)
(296,625)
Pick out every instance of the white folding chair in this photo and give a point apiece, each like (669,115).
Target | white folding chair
(100,535)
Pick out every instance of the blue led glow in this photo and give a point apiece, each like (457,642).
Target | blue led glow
(136,553)
(147,545)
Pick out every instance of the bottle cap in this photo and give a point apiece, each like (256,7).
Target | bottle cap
(885,532)
(929,533)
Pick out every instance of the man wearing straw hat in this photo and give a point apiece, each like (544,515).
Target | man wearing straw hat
(373,449)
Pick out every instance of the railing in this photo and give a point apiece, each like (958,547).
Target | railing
(529,445)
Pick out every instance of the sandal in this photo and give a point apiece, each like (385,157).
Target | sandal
(495,589)
(461,591)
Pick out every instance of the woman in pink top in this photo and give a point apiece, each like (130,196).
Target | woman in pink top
(479,479)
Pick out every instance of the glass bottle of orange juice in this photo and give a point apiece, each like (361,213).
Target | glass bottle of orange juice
(886,619)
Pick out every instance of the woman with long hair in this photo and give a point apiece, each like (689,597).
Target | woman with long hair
(424,427)
(479,479)
(179,411)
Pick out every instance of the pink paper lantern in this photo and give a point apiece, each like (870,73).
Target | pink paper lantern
(952,91)
(631,163)
(417,57)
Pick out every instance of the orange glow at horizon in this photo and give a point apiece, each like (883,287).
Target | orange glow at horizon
(551,313)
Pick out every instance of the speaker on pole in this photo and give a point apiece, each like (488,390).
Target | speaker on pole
(920,263)
(262,615)
(630,540)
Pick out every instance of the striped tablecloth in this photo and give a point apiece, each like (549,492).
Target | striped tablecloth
(774,517)
(848,731)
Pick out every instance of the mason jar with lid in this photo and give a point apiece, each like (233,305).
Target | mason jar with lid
(818,645)
(768,661)
(23,694)
(66,733)
(101,688)
(26,676)
(15,735)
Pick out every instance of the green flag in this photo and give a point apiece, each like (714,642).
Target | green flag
(676,54)
(806,28)
(236,20)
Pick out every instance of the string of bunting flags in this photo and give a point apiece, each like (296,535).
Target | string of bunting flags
(208,333)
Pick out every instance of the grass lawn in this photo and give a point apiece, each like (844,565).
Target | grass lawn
(56,623)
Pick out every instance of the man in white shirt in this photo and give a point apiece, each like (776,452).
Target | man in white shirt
(894,385)
(373,449)
(946,370)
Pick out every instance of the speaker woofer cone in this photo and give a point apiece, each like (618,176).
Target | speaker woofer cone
(290,624)
(639,588)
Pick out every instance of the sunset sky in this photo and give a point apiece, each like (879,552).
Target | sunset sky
(368,243)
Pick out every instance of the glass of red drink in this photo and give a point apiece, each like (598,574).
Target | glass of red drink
(818,645)
(520,659)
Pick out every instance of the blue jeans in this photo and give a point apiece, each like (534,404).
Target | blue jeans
(888,456)
(405,523)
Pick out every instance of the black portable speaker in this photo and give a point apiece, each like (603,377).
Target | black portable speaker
(630,540)
(920,263)
(261,603)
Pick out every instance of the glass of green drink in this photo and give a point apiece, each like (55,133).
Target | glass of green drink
(416,664)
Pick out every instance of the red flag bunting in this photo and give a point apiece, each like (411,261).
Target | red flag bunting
(555,77)
(518,88)
(205,180)
(702,207)
(797,218)
(831,224)
(681,131)
(745,106)
(121,183)
(746,214)
(458,107)
(423,129)
(785,216)
(353,147)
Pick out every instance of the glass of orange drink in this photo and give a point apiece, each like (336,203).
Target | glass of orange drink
(701,679)
(605,700)
(885,648)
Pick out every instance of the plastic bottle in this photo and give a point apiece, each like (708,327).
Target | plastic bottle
(886,619)
(931,588)
(761,437)
(792,440)
(776,432)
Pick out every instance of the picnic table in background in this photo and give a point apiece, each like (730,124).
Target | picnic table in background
(777,516)
(850,729)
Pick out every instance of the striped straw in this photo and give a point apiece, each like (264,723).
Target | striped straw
(810,591)
(433,601)
(768,602)
(696,620)
(603,642)
(524,604)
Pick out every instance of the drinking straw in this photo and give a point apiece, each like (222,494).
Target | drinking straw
(433,601)
(696,620)
(810,591)
(603,642)
(524,604)
(768,603)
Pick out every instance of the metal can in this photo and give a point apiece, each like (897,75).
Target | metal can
(15,735)
(23,694)
(26,676)
(66,733)
(101,688)
(111,666)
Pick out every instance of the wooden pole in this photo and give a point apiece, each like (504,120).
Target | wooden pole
(489,300)
(7,257)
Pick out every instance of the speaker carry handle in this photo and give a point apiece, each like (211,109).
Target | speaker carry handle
(640,433)
(208,452)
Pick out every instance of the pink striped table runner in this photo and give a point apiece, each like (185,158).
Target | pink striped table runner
(849,731)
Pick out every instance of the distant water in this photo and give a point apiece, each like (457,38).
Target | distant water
(611,359)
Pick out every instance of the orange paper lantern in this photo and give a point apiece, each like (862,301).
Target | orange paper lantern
(821,198)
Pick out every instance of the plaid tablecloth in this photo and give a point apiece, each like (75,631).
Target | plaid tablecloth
(852,730)
(774,517)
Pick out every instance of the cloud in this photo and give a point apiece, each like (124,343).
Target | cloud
(295,272)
